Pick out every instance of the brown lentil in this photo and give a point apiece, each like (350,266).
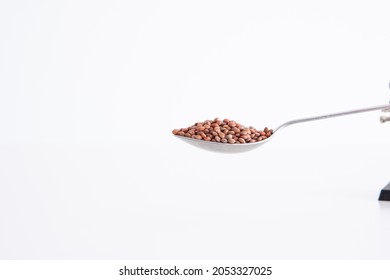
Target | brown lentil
(224,131)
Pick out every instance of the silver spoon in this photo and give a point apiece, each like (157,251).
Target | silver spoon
(240,148)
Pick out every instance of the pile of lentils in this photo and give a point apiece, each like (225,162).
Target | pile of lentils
(224,131)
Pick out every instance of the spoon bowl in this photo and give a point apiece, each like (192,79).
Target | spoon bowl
(222,147)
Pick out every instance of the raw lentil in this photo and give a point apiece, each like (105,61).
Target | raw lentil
(224,131)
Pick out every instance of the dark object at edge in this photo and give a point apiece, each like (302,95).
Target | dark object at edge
(385,193)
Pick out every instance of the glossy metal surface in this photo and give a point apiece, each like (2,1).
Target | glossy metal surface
(240,148)
(221,147)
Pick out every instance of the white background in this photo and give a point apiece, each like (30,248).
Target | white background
(91,90)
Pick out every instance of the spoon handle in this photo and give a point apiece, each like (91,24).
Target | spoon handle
(333,115)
